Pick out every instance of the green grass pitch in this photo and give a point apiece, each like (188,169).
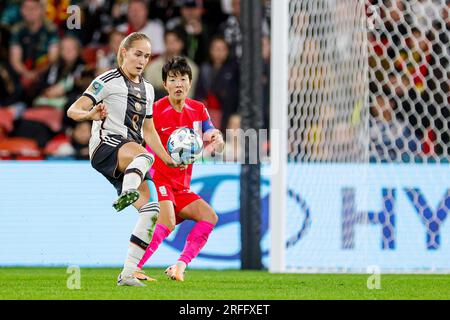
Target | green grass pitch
(96,283)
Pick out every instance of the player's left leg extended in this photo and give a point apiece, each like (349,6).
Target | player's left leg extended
(206,219)
(148,208)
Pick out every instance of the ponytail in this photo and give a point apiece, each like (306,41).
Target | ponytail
(127,43)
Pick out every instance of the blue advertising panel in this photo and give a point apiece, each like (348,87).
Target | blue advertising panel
(60,213)
(351,217)
(339,217)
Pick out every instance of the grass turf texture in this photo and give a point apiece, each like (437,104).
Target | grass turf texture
(51,283)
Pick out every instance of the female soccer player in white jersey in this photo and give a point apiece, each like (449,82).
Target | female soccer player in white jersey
(120,103)
(176,200)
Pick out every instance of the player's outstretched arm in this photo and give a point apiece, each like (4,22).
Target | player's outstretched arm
(151,137)
(82,110)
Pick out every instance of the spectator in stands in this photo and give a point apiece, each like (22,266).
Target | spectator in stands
(81,83)
(440,35)
(10,12)
(266,81)
(218,84)
(97,23)
(196,33)
(57,84)
(415,59)
(215,12)
(119,12)
(439,81)
(107,58)
(414,62)
(10,92)
(396,19)
(231,29)
(74,144)
(425,11)
(391,138)
(174,47)
(232,149)
(164,9)
(57,90)
(33,46)
(400,88)
(56,12)
(80,140)
(137,15)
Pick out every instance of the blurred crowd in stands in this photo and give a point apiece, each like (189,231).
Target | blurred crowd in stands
(409,86)
(46,62)
(405,45)
(45,65)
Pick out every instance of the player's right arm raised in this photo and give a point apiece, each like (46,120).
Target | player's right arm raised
(83,109)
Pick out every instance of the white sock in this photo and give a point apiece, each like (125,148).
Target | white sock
(141,236)
(136,171)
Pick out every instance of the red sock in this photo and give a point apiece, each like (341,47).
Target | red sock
(196,240)
(161,232)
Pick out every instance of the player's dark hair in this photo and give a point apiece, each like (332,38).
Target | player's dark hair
(176,66)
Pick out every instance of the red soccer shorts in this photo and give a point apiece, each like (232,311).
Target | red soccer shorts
(179,198)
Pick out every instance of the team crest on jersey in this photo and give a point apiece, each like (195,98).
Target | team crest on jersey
(163,190)
(138,106)
(95,87)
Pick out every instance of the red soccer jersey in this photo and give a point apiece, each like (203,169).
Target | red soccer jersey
(166,119)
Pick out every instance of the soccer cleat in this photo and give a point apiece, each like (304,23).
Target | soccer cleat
(140,275)
(129,280)
(125,199)
(175,272)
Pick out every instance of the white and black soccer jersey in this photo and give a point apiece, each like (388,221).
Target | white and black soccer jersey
(128,104)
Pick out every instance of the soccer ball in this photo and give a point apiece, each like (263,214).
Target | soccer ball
(185,146)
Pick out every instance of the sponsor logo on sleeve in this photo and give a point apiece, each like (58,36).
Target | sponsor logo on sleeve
(95,88)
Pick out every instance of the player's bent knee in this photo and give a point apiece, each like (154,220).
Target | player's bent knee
(167,215)
(216,218)
(171,226)
(168,221)
(132,155)
(152,207)
(140,165)
(212,217)
(142,162)
(148,156)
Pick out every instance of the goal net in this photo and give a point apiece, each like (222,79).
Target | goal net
(365,179)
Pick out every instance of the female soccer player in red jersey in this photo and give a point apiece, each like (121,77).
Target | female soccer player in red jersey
(177,202)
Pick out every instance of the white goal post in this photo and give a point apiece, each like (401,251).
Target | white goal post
(360,136)
(279,123)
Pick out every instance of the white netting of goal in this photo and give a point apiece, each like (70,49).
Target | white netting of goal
(327,82)
(409,81)
(368,83)
(403,46)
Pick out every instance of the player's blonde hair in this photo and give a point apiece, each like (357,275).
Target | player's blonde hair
(127,43)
